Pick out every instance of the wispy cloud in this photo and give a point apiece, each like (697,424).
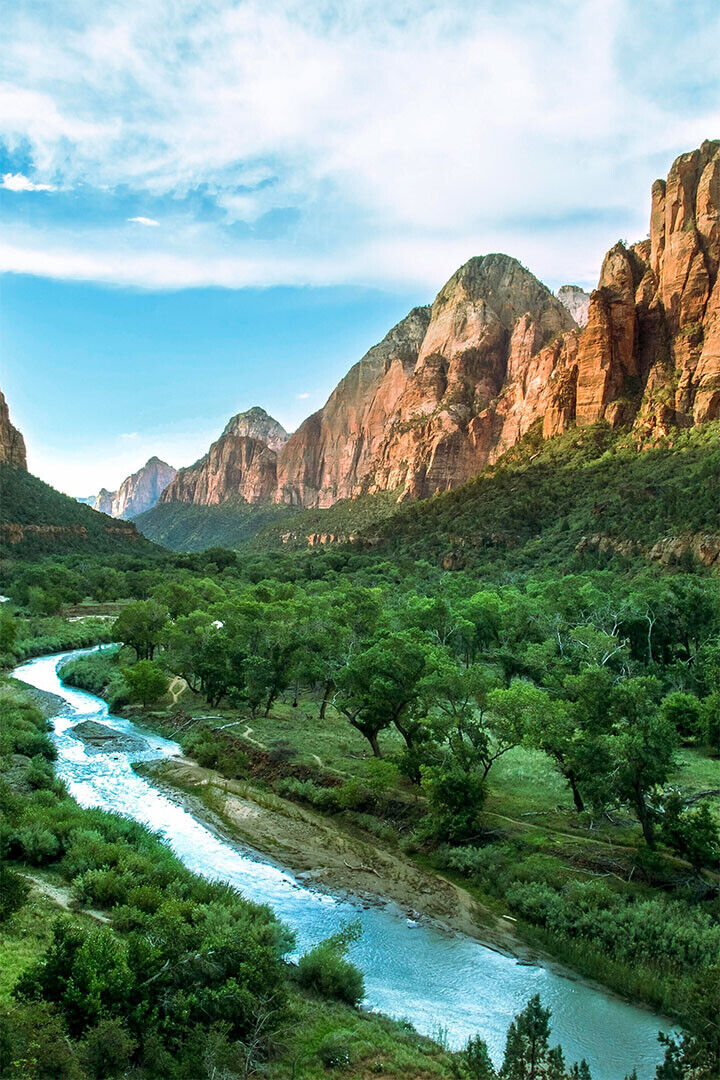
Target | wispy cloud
(144,221)
(18,182)
(302,397)
(350,141)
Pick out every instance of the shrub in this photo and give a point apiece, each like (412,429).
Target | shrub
(107,1049)
(13,892)
(37,843)
(326,970)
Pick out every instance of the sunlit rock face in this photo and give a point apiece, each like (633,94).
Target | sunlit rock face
(455,384)
(241,464)
(138,492)
(577,301)
(12,444)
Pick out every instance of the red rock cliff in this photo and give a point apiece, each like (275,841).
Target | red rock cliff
(12,444)
(454,385)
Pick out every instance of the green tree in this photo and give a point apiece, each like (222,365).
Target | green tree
(8,630)
(141,625)
(528,1055)
(146,681)
(642,748)
(379,685)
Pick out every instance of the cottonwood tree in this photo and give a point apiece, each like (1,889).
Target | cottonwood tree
(141,625)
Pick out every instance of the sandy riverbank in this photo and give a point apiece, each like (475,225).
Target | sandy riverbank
(321,853)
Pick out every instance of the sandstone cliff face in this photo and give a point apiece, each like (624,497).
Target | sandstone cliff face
(257,424)
(104,501)
(138,492)
(454,385)
(142,490)
(241,464)
(12,444)
(333,453)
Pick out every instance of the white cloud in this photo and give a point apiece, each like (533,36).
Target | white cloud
(302,397)
(18,182)
(144,221)
(130,435)
(402,135)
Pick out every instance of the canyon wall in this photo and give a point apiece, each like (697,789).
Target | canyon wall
(454,385)
(12,444)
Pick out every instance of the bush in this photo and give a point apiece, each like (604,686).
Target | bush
(13,892)
(107,1049)
(34,1044)
(37,844)
(326,970)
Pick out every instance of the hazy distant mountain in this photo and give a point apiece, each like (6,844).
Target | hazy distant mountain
(138,492)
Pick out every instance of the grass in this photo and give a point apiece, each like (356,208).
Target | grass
(355,1045)
(23,937)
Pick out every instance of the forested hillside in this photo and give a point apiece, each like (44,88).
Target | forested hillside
(36,520)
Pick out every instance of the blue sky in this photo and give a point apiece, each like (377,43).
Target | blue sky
(211,206)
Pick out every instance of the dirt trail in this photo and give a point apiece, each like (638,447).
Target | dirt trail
(177,687)
(321,853)
(62,896)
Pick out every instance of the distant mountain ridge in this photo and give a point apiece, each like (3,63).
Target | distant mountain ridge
(454,385)
(138,492)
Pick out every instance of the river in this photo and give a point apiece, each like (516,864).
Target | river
(440,981)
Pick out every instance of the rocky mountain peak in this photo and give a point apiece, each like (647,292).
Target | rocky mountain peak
(257,424)
(138,492)
(577,302)
(12,444)
(453,385)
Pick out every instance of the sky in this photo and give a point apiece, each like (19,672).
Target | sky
(210,206)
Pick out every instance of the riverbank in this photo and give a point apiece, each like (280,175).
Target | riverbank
(321,854)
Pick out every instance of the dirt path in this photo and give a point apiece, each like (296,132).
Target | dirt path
(177,687)
(321,853)
(62,896)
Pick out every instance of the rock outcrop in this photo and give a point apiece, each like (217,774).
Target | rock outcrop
(138,492)
(256,424)
(12,444)
(577,301)
(453,386)
(242,464)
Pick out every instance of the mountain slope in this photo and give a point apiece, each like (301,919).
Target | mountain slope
(585,498)
(183,526)
(37,520)
(12,444)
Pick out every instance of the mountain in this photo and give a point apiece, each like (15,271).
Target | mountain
(256,424)
(36,520)
(241,465)
(454,386)
(138,492)
(12,444)
(577,301)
